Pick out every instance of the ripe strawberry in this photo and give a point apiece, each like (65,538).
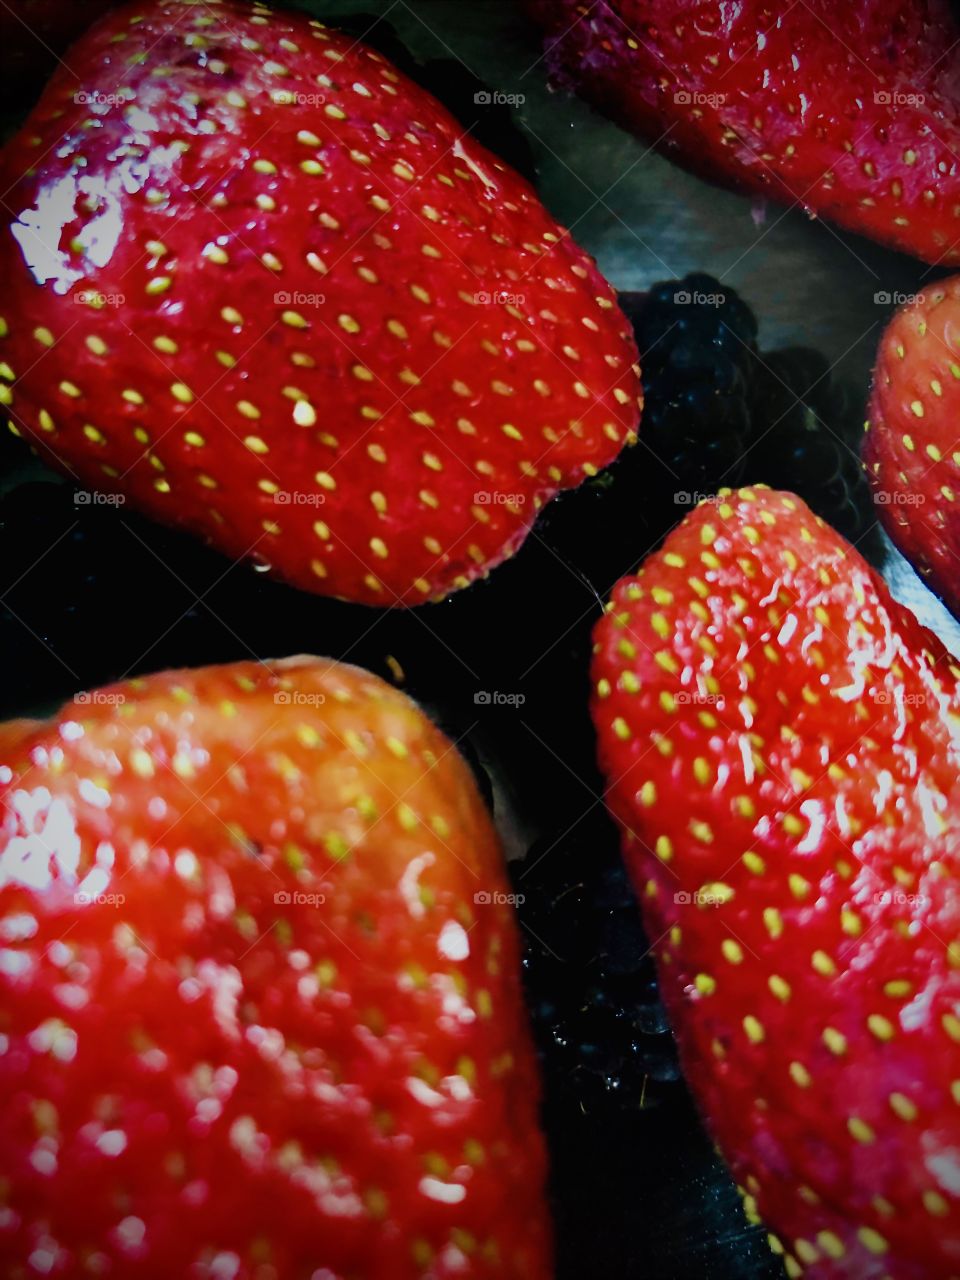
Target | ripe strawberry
(288,304)
(912,446)
(780,742)
(848,110)
(33,35)
(254,1025)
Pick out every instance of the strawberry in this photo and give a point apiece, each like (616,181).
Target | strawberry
(912,446)
(851,111)
(33,35)
(780,742)
(268,289)
(261,1008)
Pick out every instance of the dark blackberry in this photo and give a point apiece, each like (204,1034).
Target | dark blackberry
(591,990)
(806,438)
(698,344)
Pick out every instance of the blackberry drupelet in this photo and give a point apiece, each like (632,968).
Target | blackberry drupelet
(590,984)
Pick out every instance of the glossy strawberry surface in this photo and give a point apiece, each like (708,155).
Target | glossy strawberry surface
(912,447)
(781,741)
(850,111)
(266,287)
(261,1010)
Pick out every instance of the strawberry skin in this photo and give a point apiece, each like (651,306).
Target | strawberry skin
(255,1024)
(851,111)
(780,742)
(912,446)
(286,303)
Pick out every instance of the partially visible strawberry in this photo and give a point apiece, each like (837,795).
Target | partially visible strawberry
(852,111)
(781,744)
(34,34)
(912,446)
(286,302)
(261,1008)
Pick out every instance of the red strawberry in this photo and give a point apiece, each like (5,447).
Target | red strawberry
(781,744)
(33,35)
(254,1025)
(912,447)
(851,111)
(288,304)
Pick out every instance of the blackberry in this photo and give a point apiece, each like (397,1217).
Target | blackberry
(698,347)
(806,438)
(590,984)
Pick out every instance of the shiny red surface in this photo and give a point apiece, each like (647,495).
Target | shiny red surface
(851,111)
(912,449)
(781,741)
(267,288)
(256,1023)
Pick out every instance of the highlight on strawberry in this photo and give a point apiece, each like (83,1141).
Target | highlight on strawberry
(779,738)
(260,990)
(269,289)
(849,111)
(912,445)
